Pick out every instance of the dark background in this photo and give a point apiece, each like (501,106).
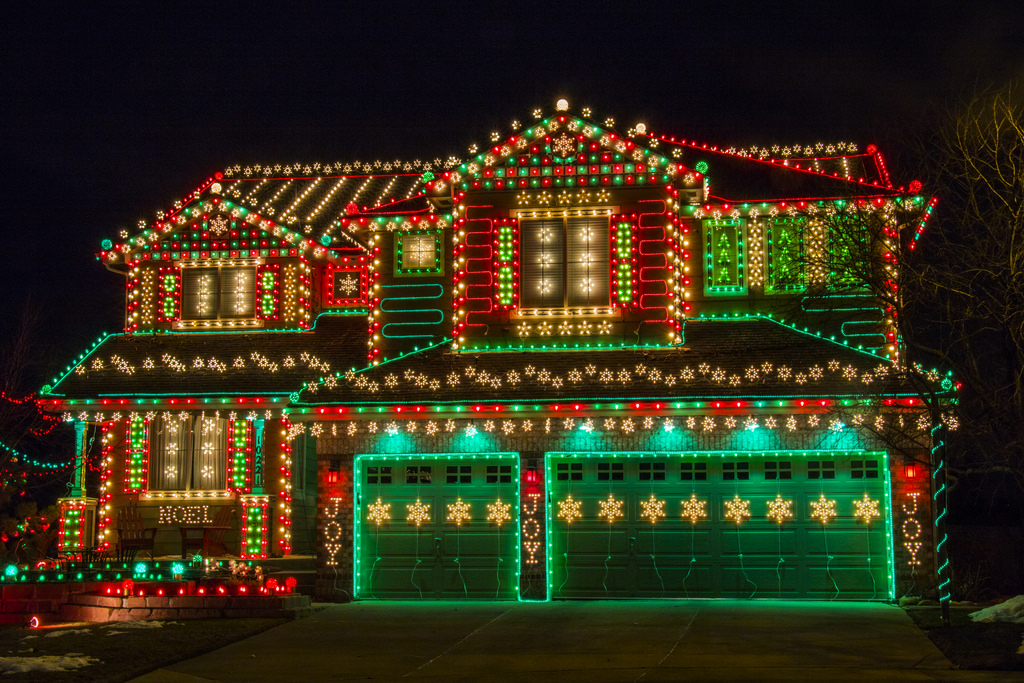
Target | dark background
(113,111)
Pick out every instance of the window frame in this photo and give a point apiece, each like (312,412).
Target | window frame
(605,308)
(411,270)
(250,318)
(189,455)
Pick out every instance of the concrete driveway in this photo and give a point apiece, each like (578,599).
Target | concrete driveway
(583,641)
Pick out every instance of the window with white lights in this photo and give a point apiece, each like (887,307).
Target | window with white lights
(189,454)
(417,253)
(218,293)
(565,262)
(724,256)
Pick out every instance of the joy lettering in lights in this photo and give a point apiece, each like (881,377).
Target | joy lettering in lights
(333,531)
(912,530)
(531,527)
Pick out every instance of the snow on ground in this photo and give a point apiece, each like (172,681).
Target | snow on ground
(1010,611)
(42,663)
(125,626)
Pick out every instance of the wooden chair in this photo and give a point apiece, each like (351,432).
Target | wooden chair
(211,542)
(131,533)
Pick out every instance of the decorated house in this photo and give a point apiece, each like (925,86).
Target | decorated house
(580,364)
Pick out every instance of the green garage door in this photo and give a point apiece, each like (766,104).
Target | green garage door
(806,524)
(437,527)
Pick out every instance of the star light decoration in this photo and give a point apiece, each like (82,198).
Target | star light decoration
(419,512)
(866,509)
(569,509)
(379,512)
(823,509)
(737,509)
(652,509)
(611,508)
(780,509)
(695,509)
(458,512)
(498,512)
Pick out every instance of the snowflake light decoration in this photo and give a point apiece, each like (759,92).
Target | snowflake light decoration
(569,509)
(419,512)
(695,509)
(498,512)
(611,508)
(652,509)
(737,509)
(866,509)
(780,509)
(458,512)
(823,509)
(379,512)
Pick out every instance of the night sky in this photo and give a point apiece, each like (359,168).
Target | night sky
(113,112)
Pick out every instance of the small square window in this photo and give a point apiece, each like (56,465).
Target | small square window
(499,474)
(864,469)
(821,469)
(569,471)
(417,253)
(459,474)
(778,470)
(610,471)
(652,471)
(378,475)
(417,475)
(693,471)
(735,471)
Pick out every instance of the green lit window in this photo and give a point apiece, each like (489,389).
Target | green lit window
(218,293)
(189,454)
(565,262)
(378,475)
(786,257)
(569,471)
(821,469)
(499,474)
(693,471)
(778,470)
(417,475)
(849,254)
(652,471)
(418,253)
(610,471)
(739,471)
(724,257)
(459,474)
(864,469)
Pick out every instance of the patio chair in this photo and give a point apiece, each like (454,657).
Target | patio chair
(131,532)
(211,542)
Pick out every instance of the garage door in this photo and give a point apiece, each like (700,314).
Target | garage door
(437,527)
(807,524)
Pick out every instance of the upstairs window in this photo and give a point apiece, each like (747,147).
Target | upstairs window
(724,255)
(786,256)
(565,262)
(418,253)
(218,293)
